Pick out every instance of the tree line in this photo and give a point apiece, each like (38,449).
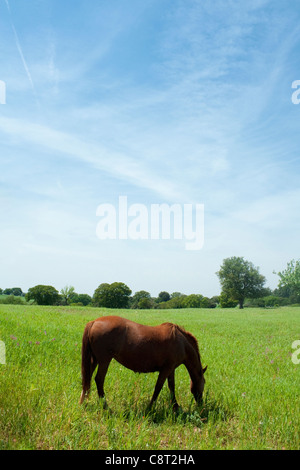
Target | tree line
(241,282)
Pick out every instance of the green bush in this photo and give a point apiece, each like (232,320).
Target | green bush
(12,299)
(226,301)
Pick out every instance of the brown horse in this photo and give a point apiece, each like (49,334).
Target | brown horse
(142,349)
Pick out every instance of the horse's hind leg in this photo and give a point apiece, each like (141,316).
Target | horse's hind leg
(100,376)
(86,390)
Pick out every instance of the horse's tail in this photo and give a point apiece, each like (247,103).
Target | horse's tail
(86,361)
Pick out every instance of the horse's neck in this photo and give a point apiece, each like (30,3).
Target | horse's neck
(192,352)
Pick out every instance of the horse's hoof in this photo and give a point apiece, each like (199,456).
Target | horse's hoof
(82,397)
(175,407)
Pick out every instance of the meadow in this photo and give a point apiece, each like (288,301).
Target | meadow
(251,396)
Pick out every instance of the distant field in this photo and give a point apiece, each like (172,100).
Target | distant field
(251,398)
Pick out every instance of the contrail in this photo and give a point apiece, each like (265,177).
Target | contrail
(20,51)
(7,4)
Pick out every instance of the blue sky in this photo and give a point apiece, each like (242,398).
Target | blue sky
(163,101)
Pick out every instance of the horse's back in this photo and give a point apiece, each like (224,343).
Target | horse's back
(109,324)
(107,331)
(139,347)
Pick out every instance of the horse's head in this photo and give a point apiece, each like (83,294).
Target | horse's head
(197,386)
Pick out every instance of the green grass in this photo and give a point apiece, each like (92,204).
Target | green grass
(251,397)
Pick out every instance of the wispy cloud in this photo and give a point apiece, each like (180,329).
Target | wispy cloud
(96,155)
(18,45)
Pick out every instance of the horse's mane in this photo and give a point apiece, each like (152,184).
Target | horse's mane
(191,338)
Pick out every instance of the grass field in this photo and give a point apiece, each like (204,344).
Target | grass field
(251,397)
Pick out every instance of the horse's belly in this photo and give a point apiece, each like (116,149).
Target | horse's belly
(137,364)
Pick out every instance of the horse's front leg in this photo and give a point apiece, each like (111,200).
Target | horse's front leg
(171,384)
(159,384)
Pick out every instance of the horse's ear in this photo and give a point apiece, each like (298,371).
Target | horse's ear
(203,370)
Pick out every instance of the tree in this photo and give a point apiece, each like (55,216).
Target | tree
(115,295)
(7,291)
(193,301)
(66,293)
(226,301)
(176,295)
(240,279)
(163,296)
(85,299)
(144,303)
(207,303)
(16,291)
(290,279)
(43,295)
(138,296)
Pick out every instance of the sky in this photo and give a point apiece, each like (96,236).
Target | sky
(162,102)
